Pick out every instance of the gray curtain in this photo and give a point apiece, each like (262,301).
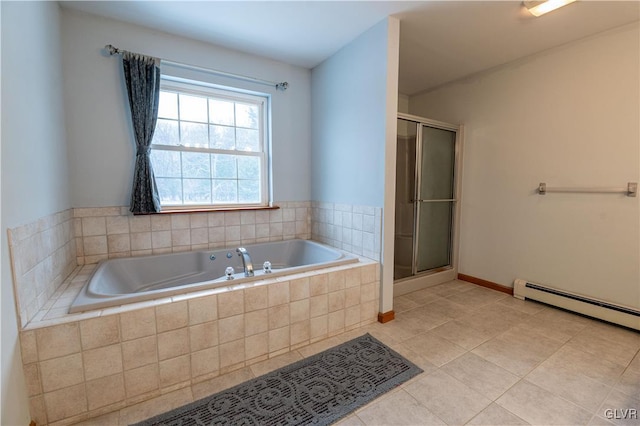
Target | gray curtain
(142,78)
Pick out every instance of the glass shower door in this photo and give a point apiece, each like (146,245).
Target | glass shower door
(403,263)
(435,202)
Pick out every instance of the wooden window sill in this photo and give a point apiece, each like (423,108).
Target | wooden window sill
(212,210)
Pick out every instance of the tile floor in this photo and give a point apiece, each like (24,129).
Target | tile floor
(488,359)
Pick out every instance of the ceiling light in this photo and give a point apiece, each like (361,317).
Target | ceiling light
(538,8)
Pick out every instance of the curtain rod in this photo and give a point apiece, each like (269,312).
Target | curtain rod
(279,86)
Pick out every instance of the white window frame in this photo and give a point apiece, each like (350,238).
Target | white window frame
(199,88)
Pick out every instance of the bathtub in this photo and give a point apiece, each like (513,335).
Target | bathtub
(126,280)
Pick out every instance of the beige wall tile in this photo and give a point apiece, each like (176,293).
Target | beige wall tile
(101,331)
(117,225)
(232,353)
(368,292)
(93,226)
(141,380)
(32,378)
(58,373)
(231,328)
(160,239)
(352,315)
(299,310)
(318,327)
(337,280)
(279,339)
(199,236)
(138,323)
(230,303)
(119,243)
(352,296)
(278,293)
(335,322)
(318,284)
(139,352)
(105,391)
(173,343)
(300,332)
(205,362)
(368,273)
(95,245)
(102,362)
(215,219)
(256,322)
(28,347)
(58,340)
(66,402)
(175,370)
(256,345)
(180,237)
(203,309)
(278,316)
(202,336)
(139,223)
(140,241)
(299,289)
(38,410)
(160,223)
(255,298)
(352,277)
(336,300)
(318,305)
(171,316)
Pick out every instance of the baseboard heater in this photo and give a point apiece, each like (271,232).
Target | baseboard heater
(622,315)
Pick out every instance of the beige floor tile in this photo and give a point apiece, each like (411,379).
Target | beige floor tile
(599,421)
(619,408)
(448,398)
(404,303)
(575,387)
(397,408)
(264,367)
(480,375)
(436,350)
(351,420)
(538,406)
(586,364)
(493,318)
(526,306)
(318,347)
(418,359)
(629,383)
(446,308)
(463,335)
(226,381)
(595,344)
(617,335)
(155,406)
(495,415)
(476,297)
(422,297)
(635,363)
(109,419)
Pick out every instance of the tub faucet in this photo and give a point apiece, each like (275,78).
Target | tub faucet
(246,261)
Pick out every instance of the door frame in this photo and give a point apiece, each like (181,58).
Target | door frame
(439,276)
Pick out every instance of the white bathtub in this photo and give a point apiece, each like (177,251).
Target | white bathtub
(119,281)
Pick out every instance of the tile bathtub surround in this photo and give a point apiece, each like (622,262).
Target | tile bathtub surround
(109,232)
(43,254)
(356,229)
(81,366)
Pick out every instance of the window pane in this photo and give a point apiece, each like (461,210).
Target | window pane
(221,112)
(196,165)
(249,191)
(166,133)
(247,116)
(222,137)
(170,191)
(194,134)
(193,108)
(168,106)
(197,191)
(225,191)
(223,166)
(247,140)
(165,163)
(248,167)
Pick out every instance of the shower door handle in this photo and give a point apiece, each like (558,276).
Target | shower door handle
(434,201)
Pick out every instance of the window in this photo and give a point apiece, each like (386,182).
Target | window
(209,147)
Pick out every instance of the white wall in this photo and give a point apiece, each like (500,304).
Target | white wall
(34,162)
(349,97)
(567,117)
(354,112)
(101,148)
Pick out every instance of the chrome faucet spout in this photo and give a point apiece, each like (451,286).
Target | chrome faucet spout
(246,261)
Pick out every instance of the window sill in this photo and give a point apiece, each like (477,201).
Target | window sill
(215,210)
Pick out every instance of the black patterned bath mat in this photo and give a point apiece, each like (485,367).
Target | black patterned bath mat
(318,390)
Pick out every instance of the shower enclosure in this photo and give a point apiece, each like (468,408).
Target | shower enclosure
(428,155)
